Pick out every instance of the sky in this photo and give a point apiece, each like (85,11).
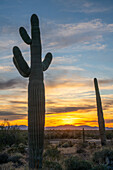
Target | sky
(79,34)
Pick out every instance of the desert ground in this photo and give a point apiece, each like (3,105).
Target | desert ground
(63,150)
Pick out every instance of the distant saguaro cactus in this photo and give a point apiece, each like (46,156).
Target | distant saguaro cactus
(36,94)
(83,135)
(100,114)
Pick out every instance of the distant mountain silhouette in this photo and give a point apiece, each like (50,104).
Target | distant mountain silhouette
(72,127)
(23,127)
(64,127)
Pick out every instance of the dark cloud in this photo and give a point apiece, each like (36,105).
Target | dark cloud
(54,77)
(22,108)
(107,104)
(70,109)
(11,115)
(69,83)
(106,81)
(109,121)
(89,121)
(19,102)
(12,83)
(50,102)
(59,78)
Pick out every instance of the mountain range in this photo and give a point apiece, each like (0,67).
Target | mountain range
(64,127)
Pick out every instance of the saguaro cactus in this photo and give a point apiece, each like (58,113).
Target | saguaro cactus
(100,114)
(36,94)
(83,135)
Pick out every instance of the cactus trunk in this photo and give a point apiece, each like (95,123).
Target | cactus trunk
(36,120)
(36,93)
(83,135)
(100,114)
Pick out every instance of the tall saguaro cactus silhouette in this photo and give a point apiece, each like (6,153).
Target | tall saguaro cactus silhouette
(36,94)
(100,114)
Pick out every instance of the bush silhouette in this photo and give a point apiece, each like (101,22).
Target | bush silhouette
(74,163)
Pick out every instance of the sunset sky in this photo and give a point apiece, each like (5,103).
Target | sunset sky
(79,34)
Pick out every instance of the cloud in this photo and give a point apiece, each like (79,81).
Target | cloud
(67,68)
(12,83)
(95,10)
(59,79)
(11,115)
(90,46)
(65,59)
(106,81)
(88,9)
(90,121)
(108,120)
(82,6)
(5,68)
(6,44)
(107,104)
(66,35)
(70,109)
(18,102)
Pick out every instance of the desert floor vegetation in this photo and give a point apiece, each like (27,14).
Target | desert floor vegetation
(63,150)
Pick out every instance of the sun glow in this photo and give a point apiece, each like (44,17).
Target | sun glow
(69,120)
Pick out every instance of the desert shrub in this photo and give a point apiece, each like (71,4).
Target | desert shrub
(80,150)
(10,136)
(74,163)
(12,149)
(81,146)
(100,167)
(21,148)
(7,166)
(100,156)
(46,143)
(52,152)
(3,158)
(93,134)
(65,135)
(109,134)
(104,156)
(92,145)
(77,134)
(67,144)
(16,159)
(49,165)
(60,143)
(110,155)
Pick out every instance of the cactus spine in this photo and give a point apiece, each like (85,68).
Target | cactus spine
(100,114)
(36,94)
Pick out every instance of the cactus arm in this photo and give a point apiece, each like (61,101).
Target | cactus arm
(20,63)
(25,36)
(46,62)
(18,68)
